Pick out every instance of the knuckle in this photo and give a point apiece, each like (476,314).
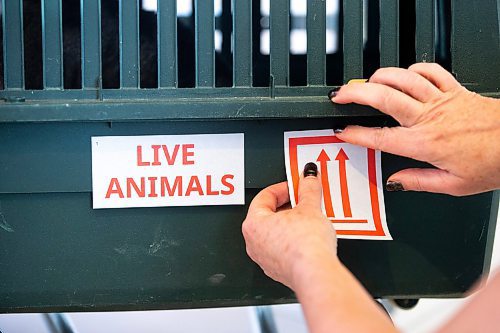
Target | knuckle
(416,183)
(375,76)
(251,253)
(422,65)
(387,99)
(380,73)
(246,229)
(413,81)
(307,193)
(379,138)
(413,67)
(417,66)
(433,66)
(270,273)
(304,191)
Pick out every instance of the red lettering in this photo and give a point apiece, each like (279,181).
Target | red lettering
(114,188)
(171,190)
(169,156)
(141,192)
(156,157)
(170,159)
(152,187)
(209,186)
(225,182)
(194,185)
(186,154)
(139,157)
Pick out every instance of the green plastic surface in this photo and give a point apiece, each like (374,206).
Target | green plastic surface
(58,254)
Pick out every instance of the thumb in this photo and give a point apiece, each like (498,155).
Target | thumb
(310,190)
(426,180)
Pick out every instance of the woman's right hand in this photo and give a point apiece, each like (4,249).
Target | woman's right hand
(442,123)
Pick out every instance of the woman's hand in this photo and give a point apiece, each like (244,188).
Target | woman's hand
(285,242)
(442,123)
(298,248)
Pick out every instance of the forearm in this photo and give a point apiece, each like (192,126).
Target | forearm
(481,312)
(334,301)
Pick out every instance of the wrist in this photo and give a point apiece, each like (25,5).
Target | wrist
(311,268)
(333,300)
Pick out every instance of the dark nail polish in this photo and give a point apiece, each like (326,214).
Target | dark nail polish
(310,169)
(338,130)
(394,186)
(332,93)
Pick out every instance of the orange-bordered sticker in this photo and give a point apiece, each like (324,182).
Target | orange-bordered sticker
(351,179)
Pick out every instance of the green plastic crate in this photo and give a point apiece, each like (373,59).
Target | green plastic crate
(58,254)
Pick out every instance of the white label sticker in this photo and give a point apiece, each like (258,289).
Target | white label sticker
(168,170)
(351,177)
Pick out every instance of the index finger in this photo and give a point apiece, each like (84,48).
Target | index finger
(310,191)
(393,140)
(270,199)
(405,109)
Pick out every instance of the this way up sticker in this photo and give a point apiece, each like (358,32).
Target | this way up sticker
(351,178)
(168,170)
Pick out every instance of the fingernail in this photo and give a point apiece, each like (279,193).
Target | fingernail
(338,130)
(332,93)
(310,169)
(392,186)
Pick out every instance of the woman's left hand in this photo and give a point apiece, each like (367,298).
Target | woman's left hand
(286,243)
